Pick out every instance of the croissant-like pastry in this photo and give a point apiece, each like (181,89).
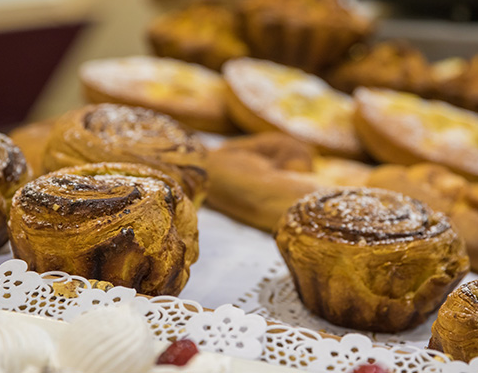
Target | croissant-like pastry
(370,259)
(127,224)
(455,331)
(116,133)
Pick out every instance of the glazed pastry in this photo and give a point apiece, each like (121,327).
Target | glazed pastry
(203,33)
(137,228)
(264,96)
(190,93)
(309,34)
(115,133)
(402,128)
(455,330)
(394,65)
(370,259)
(255,179)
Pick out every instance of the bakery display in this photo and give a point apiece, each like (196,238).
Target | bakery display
(309,34)
(255,179)
(137,227)
(190,93)
(117,133)
(392,64)
(264,96)
(370,259)
(204,33)
(455,330)
(402,128)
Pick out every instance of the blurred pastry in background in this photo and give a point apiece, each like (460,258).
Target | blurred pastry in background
(392,64)
(204,33)
(190,93)
(397,127)
(310,34)
(265,96)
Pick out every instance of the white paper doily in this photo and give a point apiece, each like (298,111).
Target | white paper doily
(228,329)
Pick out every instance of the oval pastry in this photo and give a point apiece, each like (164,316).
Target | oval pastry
(127,224)
(116,133)
(455,331)
(370,259)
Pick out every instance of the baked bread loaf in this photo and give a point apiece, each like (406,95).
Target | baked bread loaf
(203,33)
(190,93)
(137,227)
(264,96)
(255,179)
(455,330)
(403,128)
(309,34)
(370,259)
(116,133)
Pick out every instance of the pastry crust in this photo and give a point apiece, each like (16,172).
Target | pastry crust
(402,128)
(370,259)
(190,93)
(264,96)
(115,133)
(137,228)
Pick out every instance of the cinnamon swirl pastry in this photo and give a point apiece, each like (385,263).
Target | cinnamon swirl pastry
(370,259)
(116,133)
(127,224)
(455,331)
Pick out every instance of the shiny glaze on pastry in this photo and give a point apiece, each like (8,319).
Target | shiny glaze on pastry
(116,133)
(370,259)
(127,224)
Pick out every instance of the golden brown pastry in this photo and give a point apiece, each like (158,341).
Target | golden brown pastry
(116,133)
(396,65)
(309,34)
(264,96)
(455,331)
(402,128)
(255,179)
(190,93)
(370,259)
(204,33)
(127,224)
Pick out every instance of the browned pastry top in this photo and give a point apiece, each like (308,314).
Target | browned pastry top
(13,165)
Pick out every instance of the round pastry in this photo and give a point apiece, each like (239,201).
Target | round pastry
(115,133)
(264,96)
(370,259)
(137,228)
(190,93)
(394,65)
(255,179)
(309,34)
(401,128)
(455,330)
(204,33)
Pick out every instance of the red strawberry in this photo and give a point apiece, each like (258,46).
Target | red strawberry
(178,353)
(369,368)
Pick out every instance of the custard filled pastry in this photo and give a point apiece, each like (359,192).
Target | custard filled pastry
(370,259)
(127,224)
(116,133)
(190,93)
(402,128)
(264,96)
(455,331)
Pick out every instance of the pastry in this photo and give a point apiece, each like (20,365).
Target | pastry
(395,65)
(137,228)
(255,179)
(264,96)
(455,330)
(204,33)
(370,259)
(189,93)
(115,133)
(402,128)
(309,34)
